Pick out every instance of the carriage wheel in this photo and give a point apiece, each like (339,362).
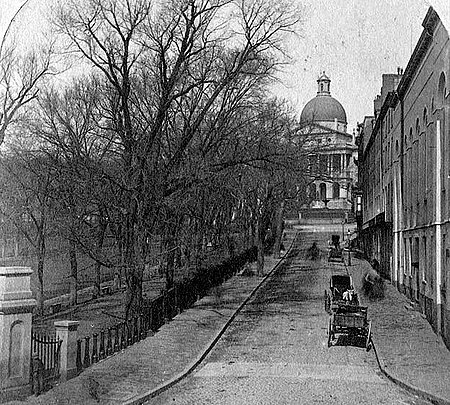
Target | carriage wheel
(330,332)
(369,337)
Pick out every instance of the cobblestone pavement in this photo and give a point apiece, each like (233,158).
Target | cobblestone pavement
(275,352)
(157,360)
(408,349)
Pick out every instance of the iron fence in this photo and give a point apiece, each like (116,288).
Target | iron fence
(156,312)
(45,361)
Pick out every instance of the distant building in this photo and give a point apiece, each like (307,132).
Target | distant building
(404,164)
(332,151)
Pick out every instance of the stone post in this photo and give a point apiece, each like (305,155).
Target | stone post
(67,332)
(16,306)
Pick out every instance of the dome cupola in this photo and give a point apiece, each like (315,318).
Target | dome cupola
(324,109)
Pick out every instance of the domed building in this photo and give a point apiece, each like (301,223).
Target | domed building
(332,154)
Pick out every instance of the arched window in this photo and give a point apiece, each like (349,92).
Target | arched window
(425,117)
(336,189)
(312,191)
(441,91)
(323,191)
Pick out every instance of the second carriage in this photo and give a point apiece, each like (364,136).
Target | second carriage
(347,316)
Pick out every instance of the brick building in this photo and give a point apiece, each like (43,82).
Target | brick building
(404,169)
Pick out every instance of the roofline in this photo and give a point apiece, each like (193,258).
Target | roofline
(430,22)
(330,130)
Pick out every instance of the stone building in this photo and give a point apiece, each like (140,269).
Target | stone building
(323,122)
(404,166)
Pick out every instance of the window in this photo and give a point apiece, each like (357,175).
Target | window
(323,163)
(336,163)
(441,91)
(312,191)
(425,117)
(323,191)
(417,127)
(425,259)
(336,189)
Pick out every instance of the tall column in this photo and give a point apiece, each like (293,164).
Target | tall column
(396,277)
(438,238)
(16,306)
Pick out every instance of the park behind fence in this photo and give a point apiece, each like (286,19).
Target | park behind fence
(155,313)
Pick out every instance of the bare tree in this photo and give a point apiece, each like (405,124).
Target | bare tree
(21,72)
(166,71)
(26,203)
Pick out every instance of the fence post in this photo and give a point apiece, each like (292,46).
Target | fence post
(87,355)
(165,312)
(67,332)
(16,306)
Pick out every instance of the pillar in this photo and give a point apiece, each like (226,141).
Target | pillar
(16,306)
(67,331)
(438,233)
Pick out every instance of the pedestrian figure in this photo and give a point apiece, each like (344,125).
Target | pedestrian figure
(348,295)
(116,282)
(373,285)
(313,252)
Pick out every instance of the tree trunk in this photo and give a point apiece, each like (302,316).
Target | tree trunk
(279,230)
(260,234)
(133,296)
(135,248)
(99,246)
(40,275)
(169,247)
(230,246)
(260,254)
(73,294)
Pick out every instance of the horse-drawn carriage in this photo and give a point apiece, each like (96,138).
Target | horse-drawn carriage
(347,317)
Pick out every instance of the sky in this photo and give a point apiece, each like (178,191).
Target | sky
(353,41)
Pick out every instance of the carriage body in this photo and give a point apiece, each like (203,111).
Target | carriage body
(347,317)
(350,320)
(334,297)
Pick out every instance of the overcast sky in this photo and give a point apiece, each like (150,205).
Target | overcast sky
(353,41)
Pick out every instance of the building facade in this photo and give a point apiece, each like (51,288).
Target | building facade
(331,161)
(404,166)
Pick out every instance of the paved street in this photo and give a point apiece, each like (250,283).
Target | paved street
(276,352)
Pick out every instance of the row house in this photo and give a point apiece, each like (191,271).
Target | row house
(404,169)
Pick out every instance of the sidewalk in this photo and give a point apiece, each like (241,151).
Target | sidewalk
(407,349)
(145,368)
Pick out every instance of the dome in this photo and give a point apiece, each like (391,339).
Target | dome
(323,107)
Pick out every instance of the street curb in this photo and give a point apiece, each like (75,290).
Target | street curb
(434,399)
(194,364)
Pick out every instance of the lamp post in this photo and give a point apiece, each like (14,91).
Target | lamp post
(349,248)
